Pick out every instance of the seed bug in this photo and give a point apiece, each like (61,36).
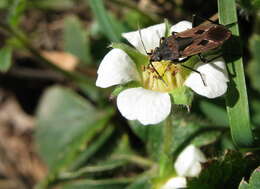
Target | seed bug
(194,41)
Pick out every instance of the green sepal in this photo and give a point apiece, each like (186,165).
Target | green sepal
(182,95)
(167,28)
(120,88)
(159,182)
(192,61)
(138,58)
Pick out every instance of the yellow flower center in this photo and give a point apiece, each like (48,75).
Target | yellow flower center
(164,76)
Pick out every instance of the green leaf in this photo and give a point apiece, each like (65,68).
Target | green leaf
(150,135)
(254,181)
(16,11)
(93,148)
(236,97)
(254,66)
(121,156)
(110,27)
(243,185)
(66,123)
(5,59)
(184,132)
(76,39)
(227,143)
(225,171)
(214,112)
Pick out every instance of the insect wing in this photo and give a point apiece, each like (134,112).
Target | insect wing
(196,32)
(213,37)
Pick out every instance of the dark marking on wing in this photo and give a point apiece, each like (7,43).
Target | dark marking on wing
(183,42)
(199,32)
(203,42)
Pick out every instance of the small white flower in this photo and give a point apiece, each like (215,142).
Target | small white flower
(151,104)
(188,163)
(175,183)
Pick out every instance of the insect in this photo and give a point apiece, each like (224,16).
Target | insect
(194,41)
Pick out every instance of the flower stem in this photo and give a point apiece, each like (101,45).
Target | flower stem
(166,159)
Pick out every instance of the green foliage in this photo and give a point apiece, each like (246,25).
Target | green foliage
(254,66)
(17,9)
(254,181)
(249,6)
(73,129)
(110,27)
(76,39)
(225,172)
(236,97)
(3,4)
(5,59)
(214,112)
(184,131)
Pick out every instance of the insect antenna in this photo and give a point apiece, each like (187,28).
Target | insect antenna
(141,38)
(149,53)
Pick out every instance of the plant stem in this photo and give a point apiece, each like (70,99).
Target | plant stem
(166,161)
(125,159)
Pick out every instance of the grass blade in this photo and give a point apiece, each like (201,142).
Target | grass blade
(236,97)
(110,28)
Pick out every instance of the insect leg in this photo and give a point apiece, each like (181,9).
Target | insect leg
(195,19)
(177,61)
(204,60)
(160,77)
(201,76)
(169,63)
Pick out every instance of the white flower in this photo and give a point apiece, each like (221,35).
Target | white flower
(188,163)
(175,183)
(151,104)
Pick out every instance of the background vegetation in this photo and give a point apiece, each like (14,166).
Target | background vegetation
(57,129)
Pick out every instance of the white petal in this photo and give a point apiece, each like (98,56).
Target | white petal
(146,106)
(215,77)
(175,183)
(189,161)
(181,26)
(150,36)
(116,68)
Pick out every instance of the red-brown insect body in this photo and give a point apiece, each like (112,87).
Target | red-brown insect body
(191,42)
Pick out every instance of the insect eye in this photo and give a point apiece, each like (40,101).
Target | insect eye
(199,32)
